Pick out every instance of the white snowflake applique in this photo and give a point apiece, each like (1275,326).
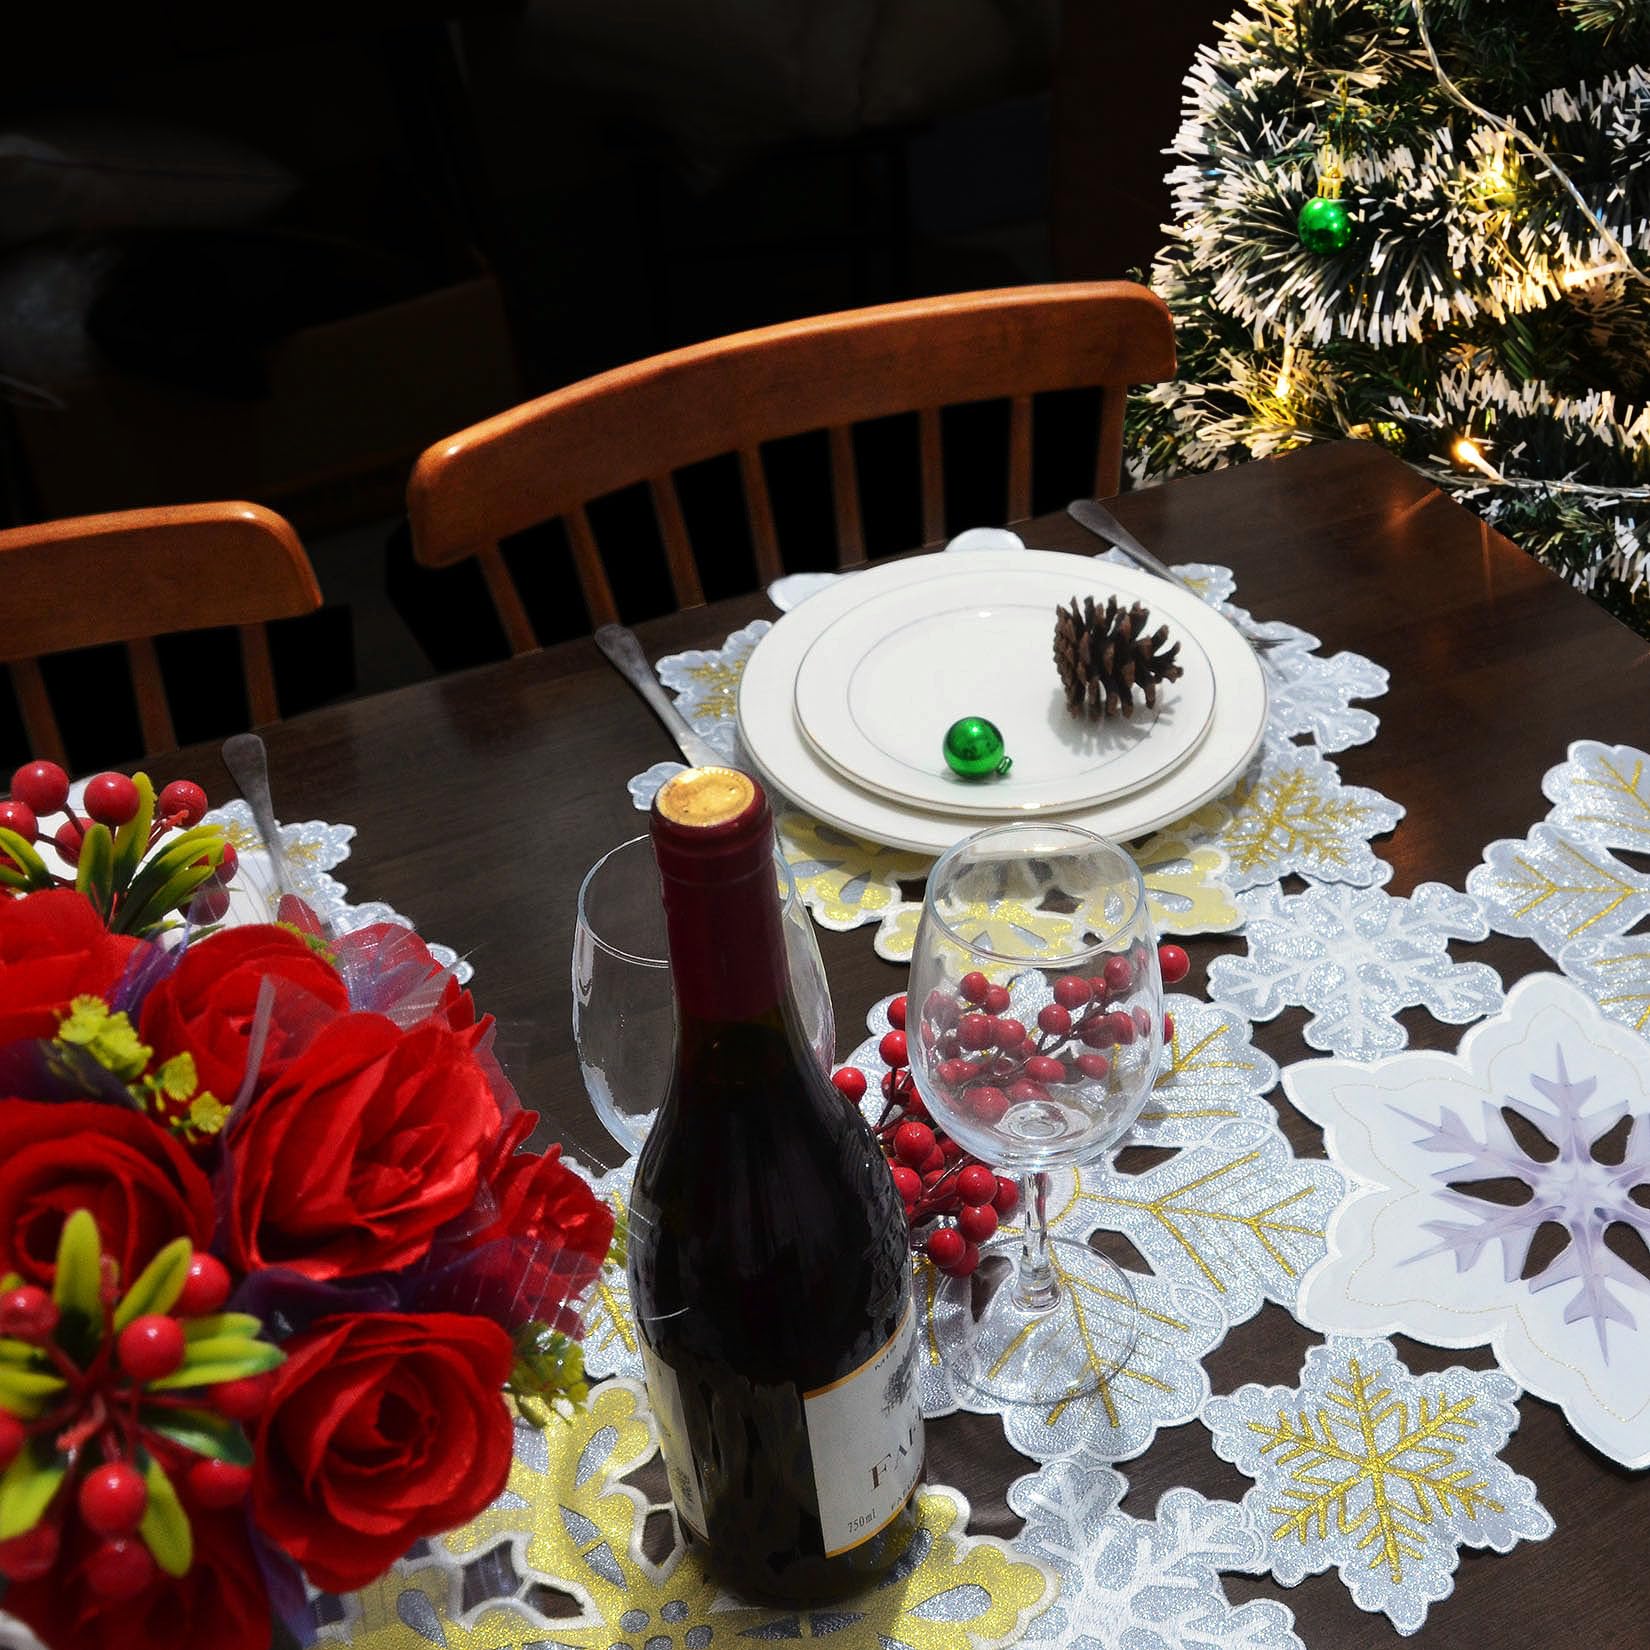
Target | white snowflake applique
(1150,1584)
(1601,794)
(1355,957)
(1381,1473)
(1550,1096)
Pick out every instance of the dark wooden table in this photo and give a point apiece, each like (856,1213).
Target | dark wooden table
(481,798)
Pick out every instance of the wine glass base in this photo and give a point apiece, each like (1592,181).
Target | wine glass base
(1016,1350)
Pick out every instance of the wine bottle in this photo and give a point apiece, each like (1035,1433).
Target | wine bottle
(769,1268)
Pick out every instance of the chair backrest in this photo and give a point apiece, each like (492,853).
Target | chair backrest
(138,574)
(548,458)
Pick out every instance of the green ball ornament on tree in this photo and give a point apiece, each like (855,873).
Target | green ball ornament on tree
(1323,225)
(974,749)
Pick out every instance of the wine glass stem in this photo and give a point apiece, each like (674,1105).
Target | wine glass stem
(1036,1286)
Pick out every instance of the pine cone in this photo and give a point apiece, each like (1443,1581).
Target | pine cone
(1104,654)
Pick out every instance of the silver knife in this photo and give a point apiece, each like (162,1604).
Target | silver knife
(625,654)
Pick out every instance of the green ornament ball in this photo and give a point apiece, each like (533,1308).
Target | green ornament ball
(1323,225)
(974,749)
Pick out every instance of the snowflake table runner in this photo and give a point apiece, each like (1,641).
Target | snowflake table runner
(1379,1472)
(1355,957)
(569,1526)
(1420,1247)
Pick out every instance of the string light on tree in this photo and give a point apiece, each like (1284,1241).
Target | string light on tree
(1360,248)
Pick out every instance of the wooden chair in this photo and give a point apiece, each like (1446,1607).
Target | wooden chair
(138,574)
(550,457)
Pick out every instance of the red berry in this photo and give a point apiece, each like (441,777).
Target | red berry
(1072,991)
(42,786)
(111,1499)
(932,1177)
(946,1246)
(1168,1029)
(896,1014)
(20,817)
(975,1031)
(953,1072)
(1142,1017)
(950,1149)
(890,1085)
(183,796)
(907,1182)
(150,1346)
(973,987)
(934,1163)
(1007,1199)
(913,1142)
(67,838)
(850,1083)
(1096,1031)
(976,1184)
(970,1259)
(892,1048)
(1054,1019)
(1093,1066)
(229,862)
(941,1008)
(911,1100)
(948,1047)
(29,1556)
(1023,1092)
(1119,975)
(996,999)
(206,1287)
(111,799)
(1174,964)
(243,1399)
(988,1104)
(12,1438)
(1009,1033)
(1043,1068)
(1121,1026)
(219,1483)
(119,1569)
(977,1221)
(27,1313)
(209,904)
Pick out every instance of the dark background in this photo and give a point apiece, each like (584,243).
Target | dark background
(273,257)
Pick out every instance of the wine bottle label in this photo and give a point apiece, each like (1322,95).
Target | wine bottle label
(665,1395)
(865,1434)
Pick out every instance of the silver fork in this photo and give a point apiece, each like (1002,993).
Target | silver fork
(1097,519)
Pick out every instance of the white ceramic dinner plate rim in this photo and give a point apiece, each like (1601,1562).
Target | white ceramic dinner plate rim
(784,759)
(824,718)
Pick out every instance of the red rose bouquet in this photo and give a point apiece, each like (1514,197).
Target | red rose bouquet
(274,1260)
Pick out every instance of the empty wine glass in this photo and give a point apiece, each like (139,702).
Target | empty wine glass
(623,1010)
(1037,1032)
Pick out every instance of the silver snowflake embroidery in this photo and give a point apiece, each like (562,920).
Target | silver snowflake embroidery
(1355,957)
(706,680)
(611,1345)
(1615,973)
(1312,695)
(1381,1473)
(1556,890)
(1149,1584)
(1212,1075)
(644,786)
(1601,794)
(1576,1190)
(1290,813)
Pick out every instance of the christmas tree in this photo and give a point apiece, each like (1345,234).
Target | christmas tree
(1424,223)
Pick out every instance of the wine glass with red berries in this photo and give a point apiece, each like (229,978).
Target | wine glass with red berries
(1034,1031)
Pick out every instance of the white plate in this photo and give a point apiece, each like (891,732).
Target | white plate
(881,684)
(789,764)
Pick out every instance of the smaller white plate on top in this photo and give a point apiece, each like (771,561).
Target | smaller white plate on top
(881,684)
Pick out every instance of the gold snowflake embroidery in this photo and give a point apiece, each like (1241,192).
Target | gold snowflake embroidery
(1364,1438)
(1007,926)
(571,1524)
(1590,889)
(842,880)
(716,698)
(1637,967)
(1624,793)
(1182,868)
(1177,1096)
(607,1311)
(1295,811)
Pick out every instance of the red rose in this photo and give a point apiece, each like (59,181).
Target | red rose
(53,947)
(207,1004)
(220,1602)
(366,1143)
(390,967)
(379,1429)
(139,1183)
(539,1197)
